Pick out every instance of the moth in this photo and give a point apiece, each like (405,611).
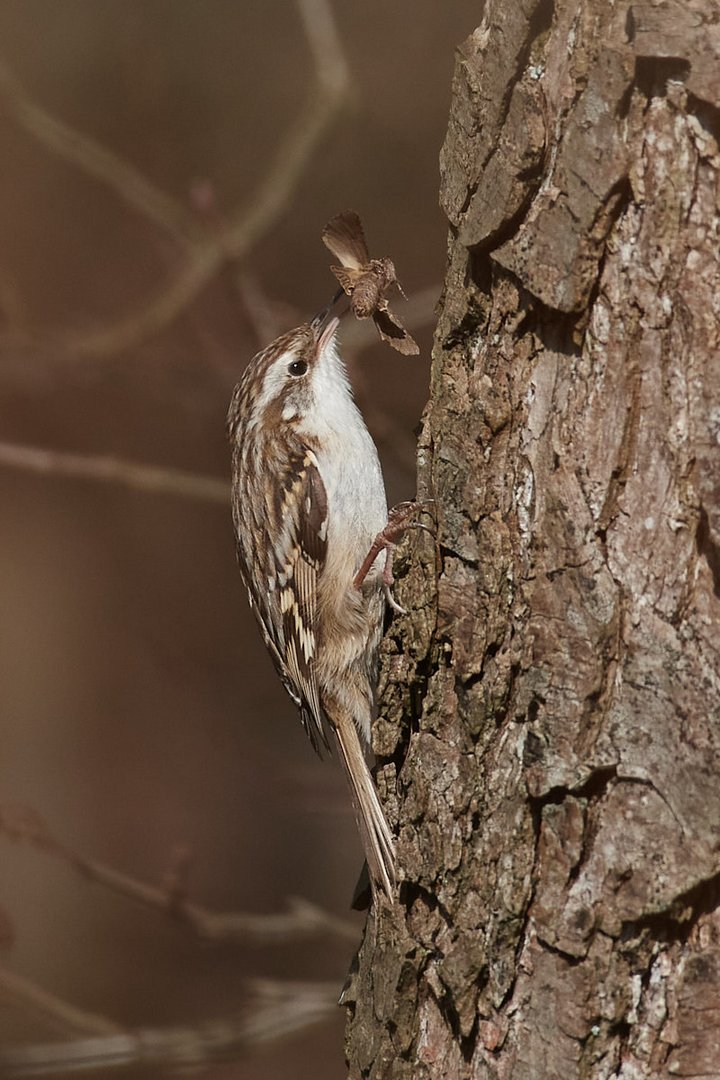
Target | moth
(366,281)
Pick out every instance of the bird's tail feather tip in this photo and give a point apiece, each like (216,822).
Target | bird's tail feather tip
(374,830)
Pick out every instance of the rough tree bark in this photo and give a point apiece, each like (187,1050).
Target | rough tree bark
(549,744)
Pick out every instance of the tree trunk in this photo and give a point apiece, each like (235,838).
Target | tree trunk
(549,743)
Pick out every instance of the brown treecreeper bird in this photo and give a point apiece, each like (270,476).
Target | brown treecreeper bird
(311,523)
(366,281)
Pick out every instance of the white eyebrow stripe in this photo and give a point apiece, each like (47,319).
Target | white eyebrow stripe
(272,384)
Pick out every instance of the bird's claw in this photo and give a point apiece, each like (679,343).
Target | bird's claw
(398,523)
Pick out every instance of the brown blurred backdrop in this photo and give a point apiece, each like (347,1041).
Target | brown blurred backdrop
(139,711)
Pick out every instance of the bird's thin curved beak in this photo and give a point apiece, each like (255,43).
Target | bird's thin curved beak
(319,321)
(324,330)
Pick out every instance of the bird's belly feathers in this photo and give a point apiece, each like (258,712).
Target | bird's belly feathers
(357,507)
(350,619)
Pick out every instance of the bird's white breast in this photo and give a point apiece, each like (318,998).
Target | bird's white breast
(349,466)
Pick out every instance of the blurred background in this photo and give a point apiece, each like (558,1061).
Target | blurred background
(167,167)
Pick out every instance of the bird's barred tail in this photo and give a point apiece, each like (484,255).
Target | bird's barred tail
(374,830)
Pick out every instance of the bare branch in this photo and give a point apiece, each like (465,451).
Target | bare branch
(265,317)
(29,993)
(245,227)
(324,40)
(303,135)
(302,918)
(150,478)
(281,1010)
(97,161)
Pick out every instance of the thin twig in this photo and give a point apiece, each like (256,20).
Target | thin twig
(97,161)
(281,1008)
(247,225)
(302,918)
(149,478)
(41,1000)
(286,1008)
(265,317)
(154,478)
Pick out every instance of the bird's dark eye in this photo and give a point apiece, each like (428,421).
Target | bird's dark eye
(298,367)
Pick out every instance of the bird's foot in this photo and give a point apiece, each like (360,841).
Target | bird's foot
(399,521)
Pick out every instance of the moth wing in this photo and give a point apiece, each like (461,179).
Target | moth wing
(392,330)
(345,238)
(347,278)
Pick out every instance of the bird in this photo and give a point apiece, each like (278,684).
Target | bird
(309,509)
(366,281)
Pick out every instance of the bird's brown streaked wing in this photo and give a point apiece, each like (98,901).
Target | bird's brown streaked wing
(345,238)
(262,614)
(299,561)
(286,608)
